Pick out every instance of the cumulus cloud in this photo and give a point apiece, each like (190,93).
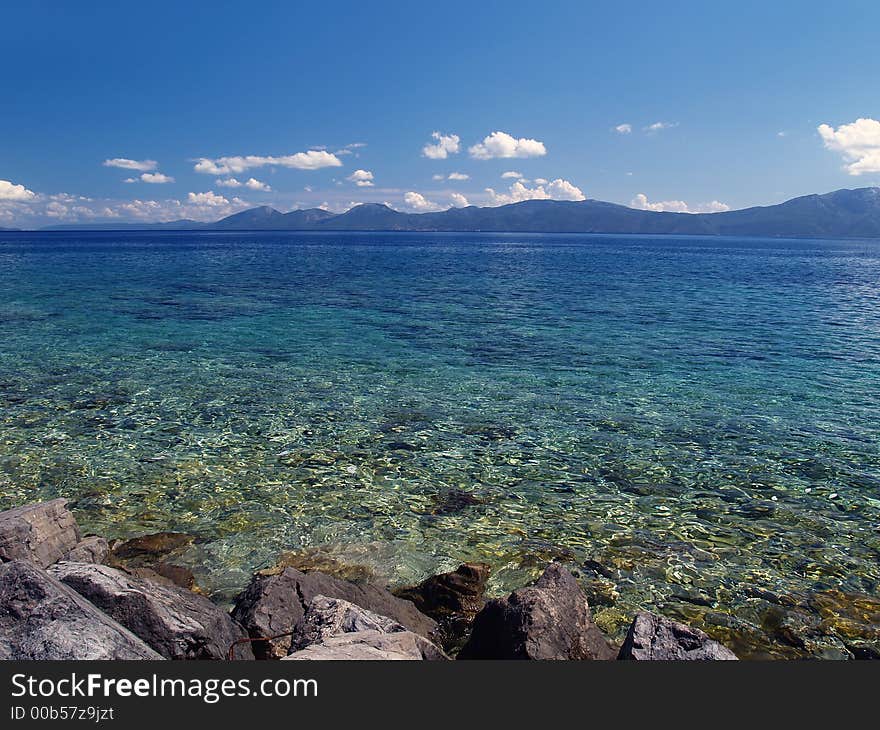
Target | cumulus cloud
(311,160)
(511,174)
(16,193)
(209,198)
(150,177)
(125,164)
(420,204)
(623,129)
(501,144)
(459,200)
(558,189)
(857,142)
(447,144)
(641,202)
(251,184)
(361,178)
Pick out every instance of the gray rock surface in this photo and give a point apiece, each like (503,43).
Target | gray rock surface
(177,623)
(41,533)
(652,637)
(91,549)
(41,618)
(548,620)
(332,628)
(274,604)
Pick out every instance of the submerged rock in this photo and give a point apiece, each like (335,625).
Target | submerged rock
(332,628)
(43,619)
(41,533)
(453,501)
(316,559)
(548,620)
(175,622)
(151,546)
(653,637)
(274,604)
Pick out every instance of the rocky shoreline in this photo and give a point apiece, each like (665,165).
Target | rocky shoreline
(72,597)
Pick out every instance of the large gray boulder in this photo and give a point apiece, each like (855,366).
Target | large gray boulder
(91,549)
(274,604)
(177,623)
(41,533)
(333,629)
(652,637)
(41,618)
(548,620)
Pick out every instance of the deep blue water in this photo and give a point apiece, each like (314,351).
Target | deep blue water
(699,416)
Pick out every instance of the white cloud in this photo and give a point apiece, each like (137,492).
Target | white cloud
(539,181)
(16,193)
(251,184)
(418,203)
(660,126)
(858,143)
(447,144)
(311,160)
(501,144)
(361,178)
(150,177)
(125,164)
(511,174)
(455,176)
(254,184)
(209,198)
(459,200)
(624,129)
(641,202)
(559,189)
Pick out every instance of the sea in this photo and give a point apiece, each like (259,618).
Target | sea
(691,424)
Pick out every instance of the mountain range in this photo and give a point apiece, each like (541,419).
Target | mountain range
(843,213)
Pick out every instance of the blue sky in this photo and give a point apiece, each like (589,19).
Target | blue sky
(335,103)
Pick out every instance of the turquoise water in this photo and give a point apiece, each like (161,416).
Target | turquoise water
(700,417)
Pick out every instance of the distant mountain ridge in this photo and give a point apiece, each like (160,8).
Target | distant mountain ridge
(842,213)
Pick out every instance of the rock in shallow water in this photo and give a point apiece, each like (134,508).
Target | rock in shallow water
(175,622)
(274,604)
(43,619)
(458,593)
(548,620)
(657,638)
(333,629)
(41,533)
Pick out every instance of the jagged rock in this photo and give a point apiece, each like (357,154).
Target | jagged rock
(548,620)
(91,549)
(653,637)
(274,604)
(41,533)
(335,629)
(40,618)
(458,593)
(175,622)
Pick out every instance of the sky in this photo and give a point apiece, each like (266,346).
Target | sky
(160,111)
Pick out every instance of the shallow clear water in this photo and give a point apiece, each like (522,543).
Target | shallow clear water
(698,416)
